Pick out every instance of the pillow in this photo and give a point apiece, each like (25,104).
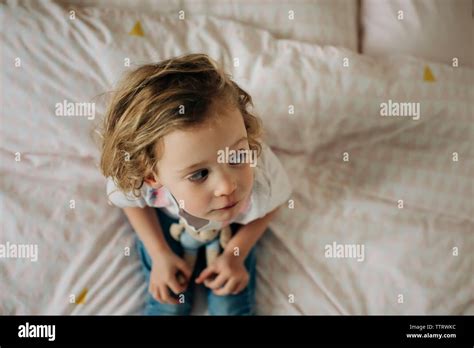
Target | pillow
(325,22)
(436,30)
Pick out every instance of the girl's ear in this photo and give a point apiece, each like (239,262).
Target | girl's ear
(153,181)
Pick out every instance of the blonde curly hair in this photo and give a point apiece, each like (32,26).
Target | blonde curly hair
(149,103)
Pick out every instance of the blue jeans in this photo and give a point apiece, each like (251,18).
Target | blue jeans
(242,303)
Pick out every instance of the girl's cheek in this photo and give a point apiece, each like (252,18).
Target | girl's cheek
(183,195)
(197,201)
(249,177)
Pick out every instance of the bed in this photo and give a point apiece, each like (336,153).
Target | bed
(363,175)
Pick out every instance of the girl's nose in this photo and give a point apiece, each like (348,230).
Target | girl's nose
(226,185)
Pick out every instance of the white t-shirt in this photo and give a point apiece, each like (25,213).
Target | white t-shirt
(271,188)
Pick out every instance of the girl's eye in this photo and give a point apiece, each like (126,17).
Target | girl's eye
(241,157)
(199,175)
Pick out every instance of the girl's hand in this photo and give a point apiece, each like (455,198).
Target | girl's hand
(231,275)
(163,277)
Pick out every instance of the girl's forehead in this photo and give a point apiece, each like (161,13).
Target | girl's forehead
(202,142)
(218,120)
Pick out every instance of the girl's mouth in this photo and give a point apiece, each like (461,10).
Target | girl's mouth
(228,207)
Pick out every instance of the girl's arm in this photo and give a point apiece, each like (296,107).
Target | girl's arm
(146,224)
(248,235)
(165,263)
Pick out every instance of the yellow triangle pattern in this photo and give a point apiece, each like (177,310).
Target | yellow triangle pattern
(137,30)
(428,75)
(81,299)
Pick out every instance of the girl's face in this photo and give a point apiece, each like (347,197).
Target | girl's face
(189,167)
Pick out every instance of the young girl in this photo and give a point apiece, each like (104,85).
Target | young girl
(164,135)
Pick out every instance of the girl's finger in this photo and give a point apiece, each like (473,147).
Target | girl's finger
(238,288)
(183,267)
(166,296)
(205,274)
(226,289)
(176,287)
(216,283)
(155,293)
